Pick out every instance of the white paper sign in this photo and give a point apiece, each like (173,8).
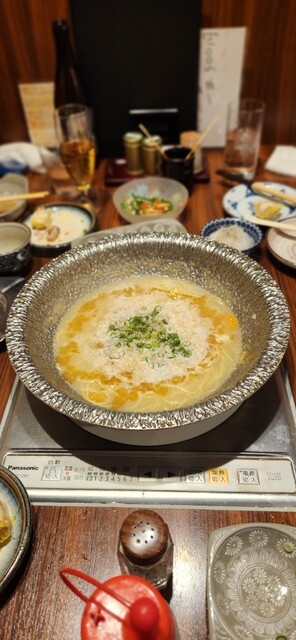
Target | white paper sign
(38,105)
(220,73)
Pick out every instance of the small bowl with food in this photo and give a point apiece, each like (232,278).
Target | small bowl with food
(234,232)
(150,198)
(54,226)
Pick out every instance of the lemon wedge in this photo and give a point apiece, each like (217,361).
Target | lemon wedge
(267,210)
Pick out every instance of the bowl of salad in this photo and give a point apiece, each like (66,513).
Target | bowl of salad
(150,198)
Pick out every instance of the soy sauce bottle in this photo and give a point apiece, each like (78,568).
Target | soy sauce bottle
(68,86)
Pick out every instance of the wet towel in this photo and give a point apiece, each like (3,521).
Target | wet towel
(24,155)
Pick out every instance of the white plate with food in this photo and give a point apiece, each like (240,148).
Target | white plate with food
(282,244)
(150,198)
(241,202)
(15,525)
(251,582)
(54,226)
(12,184)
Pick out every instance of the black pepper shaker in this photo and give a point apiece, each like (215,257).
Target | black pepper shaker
(145,547)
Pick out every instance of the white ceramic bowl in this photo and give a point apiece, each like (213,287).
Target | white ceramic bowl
(251,292)
(154,187)
(282,244)
(15,249)
(12,184)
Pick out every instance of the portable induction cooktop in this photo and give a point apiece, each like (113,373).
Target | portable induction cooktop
(247,462)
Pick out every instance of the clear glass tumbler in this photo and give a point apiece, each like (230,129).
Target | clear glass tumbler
(243,136)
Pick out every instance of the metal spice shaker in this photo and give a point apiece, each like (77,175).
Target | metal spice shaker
(150,155)
(132,146)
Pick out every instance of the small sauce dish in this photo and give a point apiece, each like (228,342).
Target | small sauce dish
(236,233)
(54,226)
(15,248)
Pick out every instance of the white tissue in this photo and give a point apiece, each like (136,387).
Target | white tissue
(282,160)
(25,153)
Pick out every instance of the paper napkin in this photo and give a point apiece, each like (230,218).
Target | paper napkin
(282,160)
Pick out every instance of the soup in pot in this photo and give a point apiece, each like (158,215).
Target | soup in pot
(147,344)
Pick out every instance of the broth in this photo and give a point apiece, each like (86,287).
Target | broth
(148,343)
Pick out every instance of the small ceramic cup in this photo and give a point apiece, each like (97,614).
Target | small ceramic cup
(177,163)
(15,248)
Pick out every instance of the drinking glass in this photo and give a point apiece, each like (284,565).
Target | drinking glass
(243,136)
(77,144)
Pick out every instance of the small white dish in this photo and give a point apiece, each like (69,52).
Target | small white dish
(68,221)
(251,582)
(164,189)
(283,245)
(12,184)
(239,201)
(161,225)
(14,496)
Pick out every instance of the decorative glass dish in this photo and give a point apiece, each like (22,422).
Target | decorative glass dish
(251,582)
(150,198)
(160,225)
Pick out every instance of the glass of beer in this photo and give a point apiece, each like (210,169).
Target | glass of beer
(77,144)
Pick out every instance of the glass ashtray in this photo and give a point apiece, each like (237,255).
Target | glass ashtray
(251,582)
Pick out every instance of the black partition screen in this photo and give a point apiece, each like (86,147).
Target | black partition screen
(137,54)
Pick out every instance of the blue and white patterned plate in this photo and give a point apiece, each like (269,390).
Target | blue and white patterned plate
(251,582)
(239,201)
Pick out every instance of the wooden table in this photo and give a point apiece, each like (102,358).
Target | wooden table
(38,605)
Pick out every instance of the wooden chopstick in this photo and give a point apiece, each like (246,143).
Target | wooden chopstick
(148,135)
(24,196)
(271,223)
(202,137)
(266,191)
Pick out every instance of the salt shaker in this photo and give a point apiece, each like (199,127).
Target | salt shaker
(145,547)
(124,607)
